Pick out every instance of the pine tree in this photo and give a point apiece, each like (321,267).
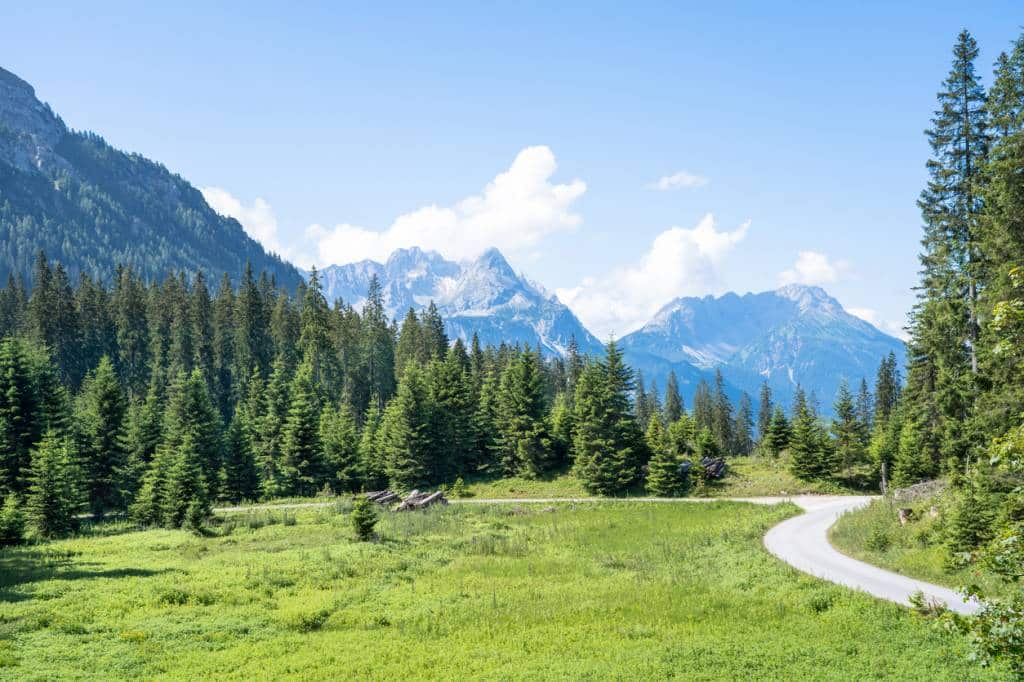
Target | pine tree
(865,411)
(673,401)
(888,384)
(777,438)
(914,461)
(53,500)
(372,465)
(145,429)
(239,479)
(944,327)
(682,437)
(19,410)
(485,420)
(743,440)
(523,444)
(378,347)
(224,348)
(707,444)
(433,338)
(315,343)
(808,460)
(721,415)
(301,454)
(703,406)
(452,395)
(102,439)
(410,344)
(364,518)
(268,441)
(664,473)
(131,333)
(340,442)
(406,439)
(847,429)
(607,444)
(765,410)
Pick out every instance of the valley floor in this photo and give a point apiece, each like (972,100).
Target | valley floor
(536,591)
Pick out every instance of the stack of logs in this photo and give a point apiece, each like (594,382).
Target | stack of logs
(414,500)
(714,467)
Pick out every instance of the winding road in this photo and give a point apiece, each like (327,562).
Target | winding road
(801,541)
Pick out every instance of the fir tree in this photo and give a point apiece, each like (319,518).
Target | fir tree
(847,429)
(406,439)
(301,465)
(523,445)
(53,500)
(340,442)
(777,438)
(372,465)
(239,479)
(673,401)
(765,411)
(102,439)
(664,472)
(743,440)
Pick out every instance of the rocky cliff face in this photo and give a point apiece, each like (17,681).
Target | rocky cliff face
(29,130)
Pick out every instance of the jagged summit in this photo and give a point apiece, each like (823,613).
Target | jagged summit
(484,296)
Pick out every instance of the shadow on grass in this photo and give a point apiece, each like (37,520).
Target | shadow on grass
(23,566)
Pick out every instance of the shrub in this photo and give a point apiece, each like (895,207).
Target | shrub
(364,518)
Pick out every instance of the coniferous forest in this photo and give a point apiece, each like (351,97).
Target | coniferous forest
(159,400)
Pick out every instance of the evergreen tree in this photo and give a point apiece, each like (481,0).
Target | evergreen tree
(682,437)
(410,344)
(53,500)
(607,443)
(865,411)
(406,441)
(239,479)
(224,348)
(777,438)
(340,441)
(102,439)
(808,457)
(561,426)
(703,406)
(847,429)
(523,445)
(888,384)
(301,465)
(315,343)
(131,333)
(378,347)
(743,440)
(19,415)
(673,401)
(372,465)
(721,415)
(433,338)
(944,325)
(664,473)
(268,443)
(765,410)
(707,444)
(452,395)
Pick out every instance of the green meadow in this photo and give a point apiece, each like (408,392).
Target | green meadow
(563,591)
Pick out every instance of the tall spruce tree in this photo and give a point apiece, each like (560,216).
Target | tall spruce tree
(664,471)
(673,401)
(240,480)
(53,498)
(340,442)
(102,440)
(523,444)
(406,436)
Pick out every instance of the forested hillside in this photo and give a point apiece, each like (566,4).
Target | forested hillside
(94,207)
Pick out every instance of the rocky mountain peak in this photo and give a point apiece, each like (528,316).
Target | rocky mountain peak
(28,128)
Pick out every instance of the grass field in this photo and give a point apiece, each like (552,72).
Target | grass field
(747,477)
(874,534)
(624,591)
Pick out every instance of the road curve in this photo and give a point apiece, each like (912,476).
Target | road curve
(802,542)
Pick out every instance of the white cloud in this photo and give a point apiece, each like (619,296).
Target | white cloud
(680,180)
(680,262)
(514,211)
(258,220)
(812,268)
(871,316)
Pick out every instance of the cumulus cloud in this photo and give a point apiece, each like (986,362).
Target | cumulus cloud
(513,212)
(871,316)
(680,262)
(812,268)
(680,180)
(257,219)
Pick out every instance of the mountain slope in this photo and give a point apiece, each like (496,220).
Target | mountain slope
(484,296)
(794,335)
(92,207)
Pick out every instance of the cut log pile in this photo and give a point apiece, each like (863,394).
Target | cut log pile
(414,500)
(714,467)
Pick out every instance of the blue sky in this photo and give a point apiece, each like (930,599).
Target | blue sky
(336,133)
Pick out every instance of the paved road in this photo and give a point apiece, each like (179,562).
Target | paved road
(801,541)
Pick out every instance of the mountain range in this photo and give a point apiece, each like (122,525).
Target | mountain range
(484,296)
(794,335)
(93,207)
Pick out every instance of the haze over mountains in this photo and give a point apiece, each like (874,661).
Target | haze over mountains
(93,207)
